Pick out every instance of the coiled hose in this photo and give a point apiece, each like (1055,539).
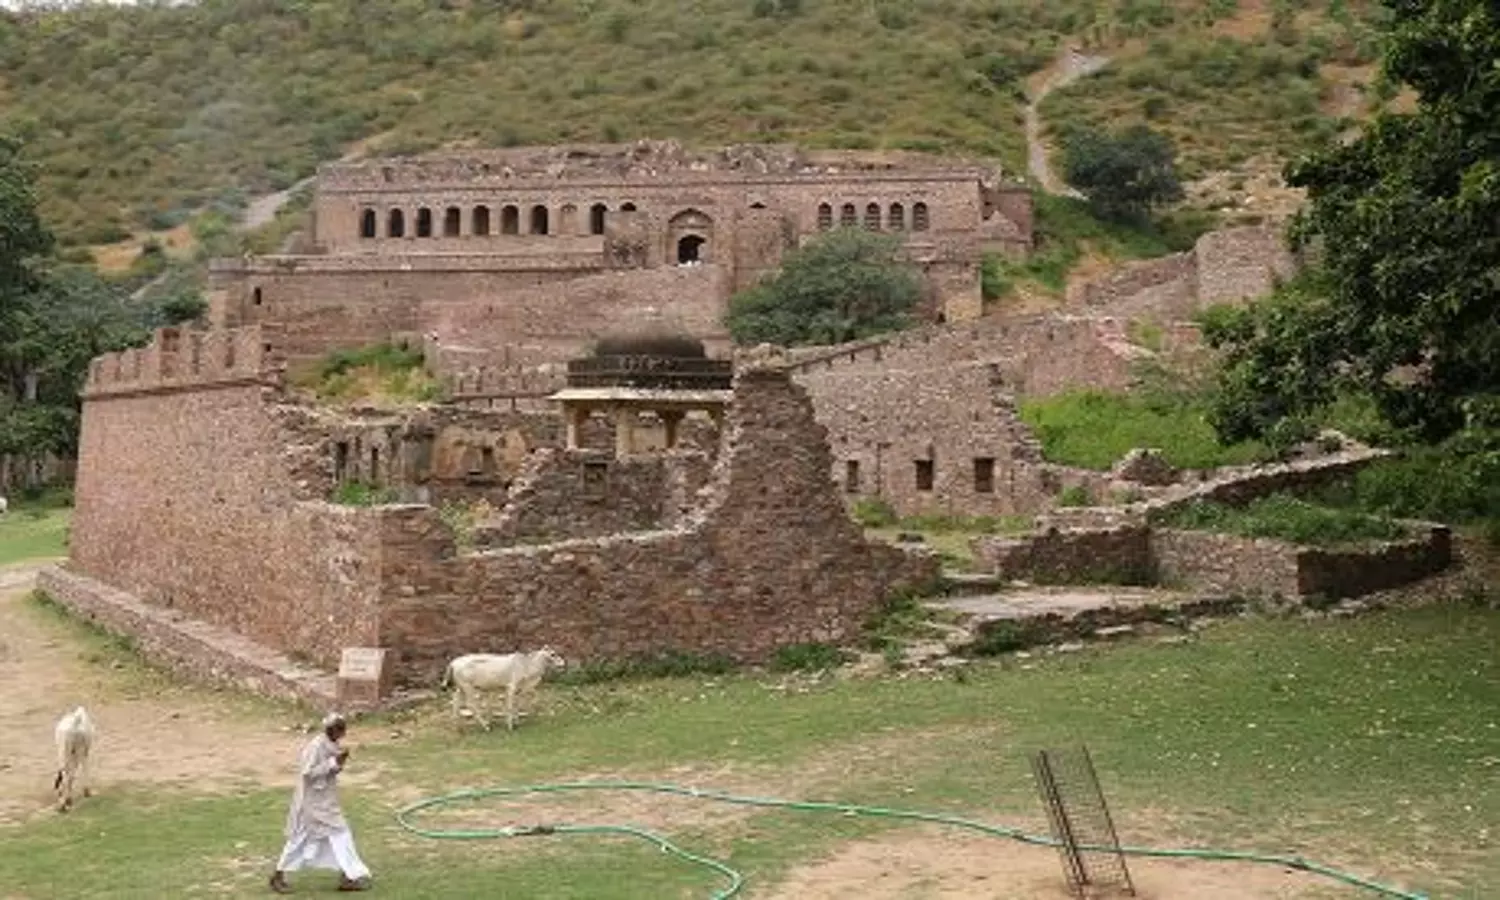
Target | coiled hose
(737,881)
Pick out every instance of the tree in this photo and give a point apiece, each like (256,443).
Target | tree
(1125,174)
(1404,226)
(841,286)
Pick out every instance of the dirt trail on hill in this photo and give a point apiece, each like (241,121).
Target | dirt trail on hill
(1068,68)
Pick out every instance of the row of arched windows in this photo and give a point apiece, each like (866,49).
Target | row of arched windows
(875,218)
(538,220)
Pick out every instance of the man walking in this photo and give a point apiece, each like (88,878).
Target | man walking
(317,836)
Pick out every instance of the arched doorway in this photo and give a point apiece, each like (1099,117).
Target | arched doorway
(689,246)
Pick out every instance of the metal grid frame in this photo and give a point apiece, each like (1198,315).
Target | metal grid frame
(1080,821)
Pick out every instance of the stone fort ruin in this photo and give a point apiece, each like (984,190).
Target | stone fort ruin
(522,256)
(203,523)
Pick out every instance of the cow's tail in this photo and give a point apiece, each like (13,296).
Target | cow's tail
(57,782)
(448,674)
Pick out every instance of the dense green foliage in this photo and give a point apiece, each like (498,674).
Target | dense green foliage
(147,112)
(1093,429)
(1286,518)
(843,285)
(1124,174)
(1405,226)
(54,318)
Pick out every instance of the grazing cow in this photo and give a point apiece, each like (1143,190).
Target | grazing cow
(75,738)
(4,505)
(518,673)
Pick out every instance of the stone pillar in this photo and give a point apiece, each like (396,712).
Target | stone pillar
(624,431)
(670,419)
(576,417)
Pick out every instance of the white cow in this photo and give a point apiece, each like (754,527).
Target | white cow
(74,735)
(518,673)
(4,505)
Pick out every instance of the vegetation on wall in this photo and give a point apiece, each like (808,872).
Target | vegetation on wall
(147,113)
(1287,518)
(378,374)
(842,285)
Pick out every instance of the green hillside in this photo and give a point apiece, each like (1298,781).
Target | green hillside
(143,114)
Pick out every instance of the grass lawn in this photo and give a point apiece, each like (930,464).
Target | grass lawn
(28,532)
(1370,744)
(1093,429)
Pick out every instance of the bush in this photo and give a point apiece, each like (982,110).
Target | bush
(1124,174)
(810,657)
(1286,518)
(385,357)
(1457,482)
(667,664)
(873,512)
(359,493)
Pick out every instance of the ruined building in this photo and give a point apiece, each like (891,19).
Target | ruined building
(522,256)
(204,521)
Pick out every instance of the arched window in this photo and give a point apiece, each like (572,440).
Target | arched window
(690,249)
(367,223)
(452,221)
(481,221)
(847,216)
(757,205)
(825,217)
(255,296)
(596,218)
(872,217)
(510,220)
(919,217)
(424,222)
(396,225)
(627,207)
(897,218)
(539,219)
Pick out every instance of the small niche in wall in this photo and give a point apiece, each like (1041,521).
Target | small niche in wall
(984,475)
(851,476)
(924,472)
(340,461)
(595,478)
(487,461)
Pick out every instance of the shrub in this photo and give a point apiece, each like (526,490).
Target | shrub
(1093,429)
(359,493)
(873,512)
(809,657)
(667,664)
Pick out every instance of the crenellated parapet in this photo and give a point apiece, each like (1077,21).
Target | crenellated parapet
(488,383)
(180,359)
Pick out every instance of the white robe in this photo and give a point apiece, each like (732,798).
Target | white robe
(318,837)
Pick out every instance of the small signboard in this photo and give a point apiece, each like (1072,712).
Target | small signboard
(362,680)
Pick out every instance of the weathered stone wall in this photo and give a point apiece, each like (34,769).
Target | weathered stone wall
(185,499)
(1115,555)
(566,494)
(934,441)
(770,559)
(1353,572)
(1225,562)
(1225,266)
(1220,563)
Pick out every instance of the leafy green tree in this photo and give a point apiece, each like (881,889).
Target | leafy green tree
(841,286)
(1123,174)
(1404,226)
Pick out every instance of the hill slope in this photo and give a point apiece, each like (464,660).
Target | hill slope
(142,114)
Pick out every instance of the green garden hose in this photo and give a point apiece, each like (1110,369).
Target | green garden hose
(737,881)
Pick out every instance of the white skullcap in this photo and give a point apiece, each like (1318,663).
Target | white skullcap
(331,720)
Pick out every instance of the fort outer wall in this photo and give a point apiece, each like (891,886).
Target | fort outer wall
(190,498)
(185,499)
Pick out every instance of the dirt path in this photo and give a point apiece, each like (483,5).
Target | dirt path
(937,864)
(1069,67)
(150,729)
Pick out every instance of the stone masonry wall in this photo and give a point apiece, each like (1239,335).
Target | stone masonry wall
(769,559)
(1114,555)
(185,500)
(1225,266)
(565,494)
(934,441)
(1226,563)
